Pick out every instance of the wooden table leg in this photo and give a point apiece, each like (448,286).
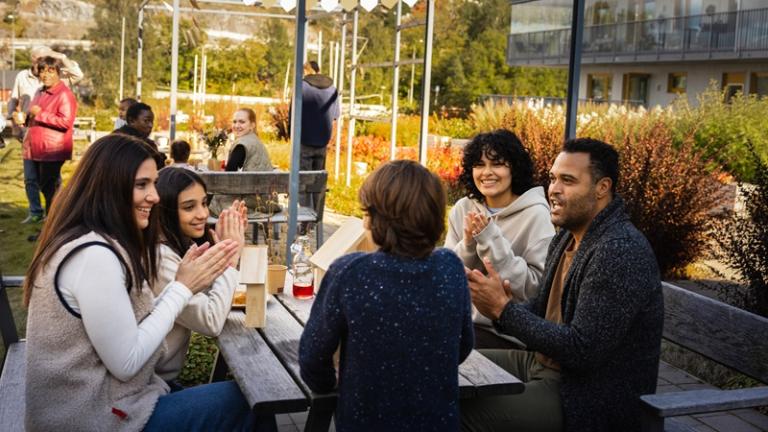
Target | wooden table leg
(220,368)
(318,420)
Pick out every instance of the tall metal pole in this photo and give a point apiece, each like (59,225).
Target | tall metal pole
(426,82)
(340,89)
(13,41)
(174,67)
(331,62)
(395,83)
(293,188)
(194,86)
(413,77)
(204,81)
(320,49)
(122,58)
(139,53)
(352,79)
(574,68)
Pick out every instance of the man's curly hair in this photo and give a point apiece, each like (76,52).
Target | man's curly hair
(499,145)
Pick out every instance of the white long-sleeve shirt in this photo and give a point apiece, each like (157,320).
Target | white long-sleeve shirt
(205,313)
(92,283)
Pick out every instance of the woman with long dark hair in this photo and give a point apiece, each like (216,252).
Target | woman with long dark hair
(183,215)
(95,330)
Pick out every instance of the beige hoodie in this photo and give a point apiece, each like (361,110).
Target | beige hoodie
(515,241)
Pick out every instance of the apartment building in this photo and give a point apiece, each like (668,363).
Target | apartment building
(648,52)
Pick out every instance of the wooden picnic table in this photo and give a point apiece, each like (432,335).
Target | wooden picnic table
(265,364)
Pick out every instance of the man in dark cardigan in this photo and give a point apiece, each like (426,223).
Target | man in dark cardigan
(594,331)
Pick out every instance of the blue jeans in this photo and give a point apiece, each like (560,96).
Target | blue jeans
(211,407)
(32,188)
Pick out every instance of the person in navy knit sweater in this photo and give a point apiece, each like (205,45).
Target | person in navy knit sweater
(401,315)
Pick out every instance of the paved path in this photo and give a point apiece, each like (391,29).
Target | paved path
(670,379)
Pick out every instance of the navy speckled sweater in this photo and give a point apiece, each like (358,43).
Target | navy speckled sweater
(404,326)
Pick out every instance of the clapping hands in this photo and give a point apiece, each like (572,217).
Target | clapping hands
(231,226)
(474,224)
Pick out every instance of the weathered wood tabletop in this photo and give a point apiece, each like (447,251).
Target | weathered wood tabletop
(265,364)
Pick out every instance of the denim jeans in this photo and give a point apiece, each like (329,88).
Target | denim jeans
(32,188)
(211,407)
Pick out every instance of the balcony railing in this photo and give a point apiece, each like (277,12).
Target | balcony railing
(742,34)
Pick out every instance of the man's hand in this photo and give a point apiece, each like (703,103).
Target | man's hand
(35,110)
(488,294)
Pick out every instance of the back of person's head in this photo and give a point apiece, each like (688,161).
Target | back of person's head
(135,111)
(99,197)
(39,51)
(180,150)
(250,113)
(311,67)
(171,182)
(501,146)
(128,101)
(603,158)
(405,206)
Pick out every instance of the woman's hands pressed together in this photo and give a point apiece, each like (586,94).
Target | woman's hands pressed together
(231,226)
(474,224)
(201,265)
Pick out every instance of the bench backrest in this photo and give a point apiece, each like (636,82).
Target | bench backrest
(267,183)
(728,335)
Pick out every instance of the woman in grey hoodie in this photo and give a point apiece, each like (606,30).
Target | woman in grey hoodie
(504,217)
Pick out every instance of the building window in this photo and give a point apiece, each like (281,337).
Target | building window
(599,87)
(677,82)
(733,84)
(634,91)
(759,84)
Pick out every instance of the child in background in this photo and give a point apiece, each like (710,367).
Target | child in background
(401,315)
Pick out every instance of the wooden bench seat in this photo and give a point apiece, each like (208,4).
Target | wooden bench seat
(725,334)
(13,370)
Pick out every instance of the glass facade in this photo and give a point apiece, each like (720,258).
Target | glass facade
(632,30)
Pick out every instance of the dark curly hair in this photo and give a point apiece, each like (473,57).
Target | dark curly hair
(499,145)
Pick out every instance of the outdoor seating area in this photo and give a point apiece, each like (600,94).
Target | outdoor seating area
(384,215)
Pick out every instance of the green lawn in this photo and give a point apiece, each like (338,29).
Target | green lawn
(16,251)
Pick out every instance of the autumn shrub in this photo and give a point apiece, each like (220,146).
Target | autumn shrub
(407,130)
(724,130)
(280,116)
(454,127)
(743,242)
(668,186)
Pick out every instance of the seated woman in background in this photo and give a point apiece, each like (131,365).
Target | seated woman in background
(248,152)
(95,331)
(407,304)
(183,214)
(504,217)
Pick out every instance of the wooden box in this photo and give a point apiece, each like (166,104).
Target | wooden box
(350,237)
(253,274)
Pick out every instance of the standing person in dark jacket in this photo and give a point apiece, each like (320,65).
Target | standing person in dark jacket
(48,141)
(402,314)
(319,111)
(140,120)
(594,331)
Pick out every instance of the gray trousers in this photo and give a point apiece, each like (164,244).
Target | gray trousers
(312,159)
(538,408)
